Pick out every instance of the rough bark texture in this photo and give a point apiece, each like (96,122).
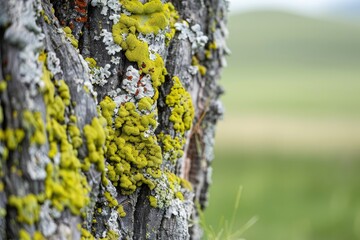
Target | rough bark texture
(85,113)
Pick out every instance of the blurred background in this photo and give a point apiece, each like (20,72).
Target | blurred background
(291,132)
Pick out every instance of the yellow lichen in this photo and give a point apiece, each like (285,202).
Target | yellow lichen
(71,37)
(12,137)
(202,69)
(91,62)
(86,235)
(95,135)
(145,104)
(172,146)
(153,201)
(121,211)
(27,208)
(147,18)
(128,148)
(3,86)
(24,235)
(35,126)
(180,101)
(65,185)
(38,236)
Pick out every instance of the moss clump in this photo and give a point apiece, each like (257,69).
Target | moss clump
(27,208)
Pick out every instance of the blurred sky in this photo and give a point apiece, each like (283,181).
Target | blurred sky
(303,6)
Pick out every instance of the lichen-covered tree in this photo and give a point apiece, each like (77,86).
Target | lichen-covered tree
(107,116)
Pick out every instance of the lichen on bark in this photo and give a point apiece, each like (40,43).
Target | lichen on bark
(112,134)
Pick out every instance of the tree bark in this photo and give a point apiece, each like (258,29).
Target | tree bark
(108,112)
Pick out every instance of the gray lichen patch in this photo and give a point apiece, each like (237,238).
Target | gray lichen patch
(193,33)
(25,34)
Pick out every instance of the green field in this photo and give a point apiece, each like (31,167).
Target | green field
(294,195)
(291,133)
(282,63)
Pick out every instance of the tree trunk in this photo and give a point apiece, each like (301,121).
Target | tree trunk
(107,111)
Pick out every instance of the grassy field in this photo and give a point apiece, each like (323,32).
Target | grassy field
(291,133)
(287,64)
(295,195)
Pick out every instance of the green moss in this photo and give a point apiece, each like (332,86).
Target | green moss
(27,208)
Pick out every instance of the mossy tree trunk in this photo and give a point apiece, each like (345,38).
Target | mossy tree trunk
(107,116)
